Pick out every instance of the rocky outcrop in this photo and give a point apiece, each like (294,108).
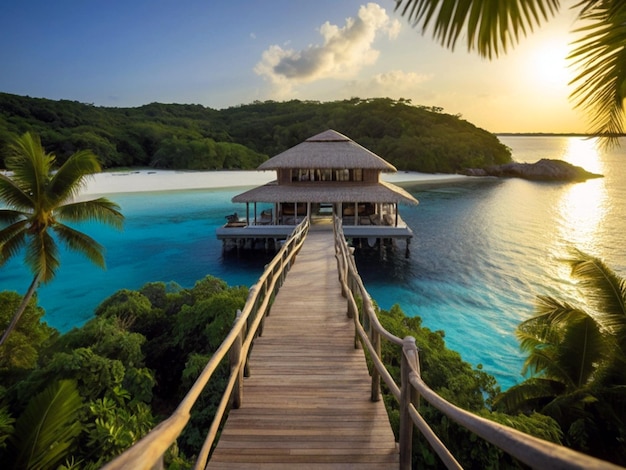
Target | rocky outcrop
(543,170)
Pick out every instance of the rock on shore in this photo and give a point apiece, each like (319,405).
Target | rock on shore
(543,170)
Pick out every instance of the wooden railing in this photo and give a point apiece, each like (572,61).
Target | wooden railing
(530,450)
(148,452)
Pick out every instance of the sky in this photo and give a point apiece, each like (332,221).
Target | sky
(127,53)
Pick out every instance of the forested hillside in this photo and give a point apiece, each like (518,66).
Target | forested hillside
(194,137)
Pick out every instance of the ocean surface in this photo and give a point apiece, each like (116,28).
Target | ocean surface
(482,252)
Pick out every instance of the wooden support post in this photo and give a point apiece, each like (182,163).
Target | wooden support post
(406,398)
(375,338)
(235,363)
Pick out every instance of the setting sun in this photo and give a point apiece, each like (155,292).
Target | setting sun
(548,65)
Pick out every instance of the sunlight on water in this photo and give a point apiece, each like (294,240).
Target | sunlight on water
(584,152)
(582,209)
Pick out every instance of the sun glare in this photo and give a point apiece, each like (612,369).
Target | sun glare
(548,66)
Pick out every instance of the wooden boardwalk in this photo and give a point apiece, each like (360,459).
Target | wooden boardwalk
(307,402)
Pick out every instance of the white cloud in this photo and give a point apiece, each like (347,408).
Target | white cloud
(344,52)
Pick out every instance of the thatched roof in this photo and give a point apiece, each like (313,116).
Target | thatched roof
(380,192)
(327,150)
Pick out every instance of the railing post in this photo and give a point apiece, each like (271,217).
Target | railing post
(235,363)
(352,308)
(267,312)
(406,398)
(375,339)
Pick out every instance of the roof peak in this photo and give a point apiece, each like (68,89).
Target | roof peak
(327,150)
(329,135)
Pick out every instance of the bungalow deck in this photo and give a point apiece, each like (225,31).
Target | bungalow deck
(268,237)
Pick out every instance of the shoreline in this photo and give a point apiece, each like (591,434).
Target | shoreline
(144,180)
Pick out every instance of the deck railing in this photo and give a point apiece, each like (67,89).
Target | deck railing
(530,450)
(149,451)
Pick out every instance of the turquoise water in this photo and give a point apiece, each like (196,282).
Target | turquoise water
(483,250)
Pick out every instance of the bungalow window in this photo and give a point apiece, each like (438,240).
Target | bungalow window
(343,175)
(357,175)
(300,175)
(326,175)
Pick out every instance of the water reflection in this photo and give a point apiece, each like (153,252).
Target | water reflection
(580,212)
(583,206)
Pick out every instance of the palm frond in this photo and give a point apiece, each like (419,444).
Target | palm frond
(532,394)
(568,407)
(13,196)
(491,26)
(555,311)
(546,326)
(604,290)
(9,216)
(42,256)
(30,164)
(98,210)
(6,426)
(48,426)
(546,364)
(71,177)
(12,239)
(563,342)
(600,56)
(81,242)
(583,350)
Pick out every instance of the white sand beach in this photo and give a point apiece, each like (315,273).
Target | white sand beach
(164,180)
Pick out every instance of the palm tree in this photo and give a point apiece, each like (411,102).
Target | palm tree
(37,201)
(493,26)
(576,358)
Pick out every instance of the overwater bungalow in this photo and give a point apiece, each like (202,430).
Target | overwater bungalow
(327,174)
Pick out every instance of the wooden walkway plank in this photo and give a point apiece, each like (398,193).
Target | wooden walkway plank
(306,404)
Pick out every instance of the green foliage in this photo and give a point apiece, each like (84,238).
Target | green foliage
(161,333)
(46,430)
(21,349)
(177,136)
(203,326)
(194,434)
(94,373)
(6,427)
(114,425)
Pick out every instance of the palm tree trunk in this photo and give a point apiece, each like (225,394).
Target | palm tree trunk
(18,313)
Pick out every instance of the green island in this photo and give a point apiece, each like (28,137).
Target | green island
(194,137)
